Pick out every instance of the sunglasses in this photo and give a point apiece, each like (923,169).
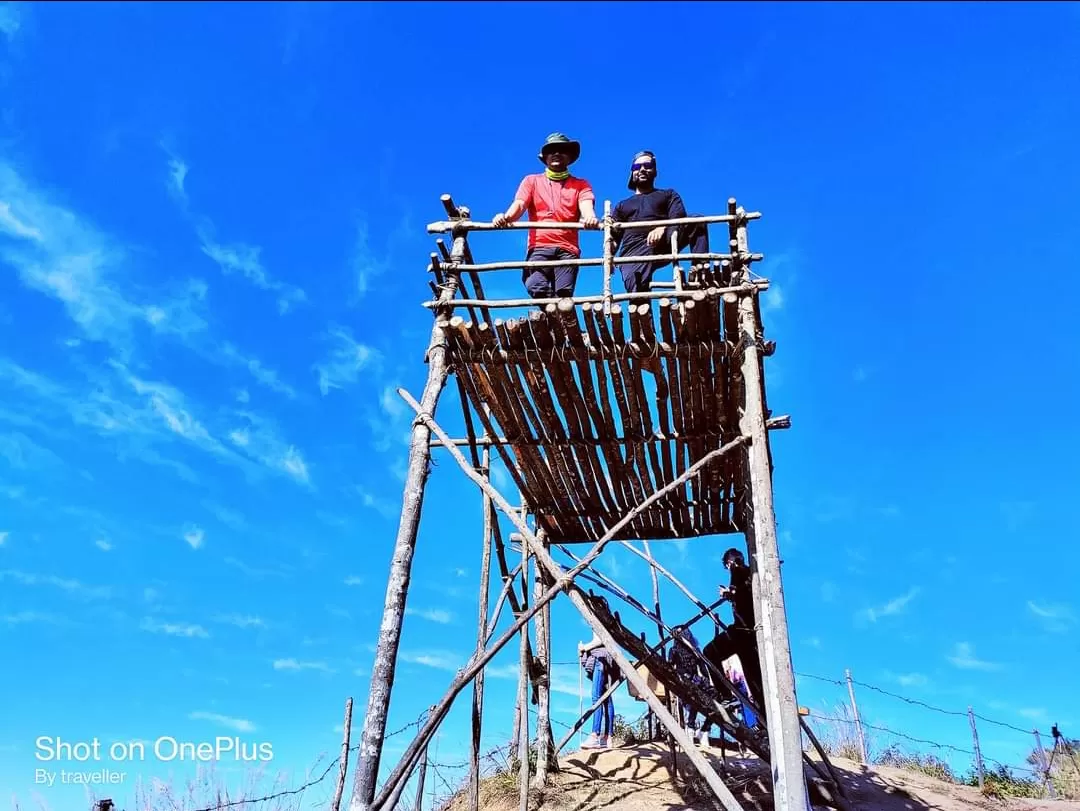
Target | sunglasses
(634,167)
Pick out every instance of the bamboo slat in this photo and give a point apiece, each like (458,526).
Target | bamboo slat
(591,430)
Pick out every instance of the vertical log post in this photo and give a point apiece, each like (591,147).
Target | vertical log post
(343,764)
(1044,766)
(669,699)
(855,714)
(523,688)
(979,766)
(545,742)
(481,636)
(774,651)
(609,266)
(397,586)
(420,782)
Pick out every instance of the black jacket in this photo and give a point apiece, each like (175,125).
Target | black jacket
(659,204)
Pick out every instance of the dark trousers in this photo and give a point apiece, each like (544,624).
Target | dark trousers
(637,278)
(550,282)
(743,642)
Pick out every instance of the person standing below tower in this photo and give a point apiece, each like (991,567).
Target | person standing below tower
(741,636)
(554,195)
(650,203)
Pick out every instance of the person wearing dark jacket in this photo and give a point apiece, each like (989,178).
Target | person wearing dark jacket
(740,637)
(650,203)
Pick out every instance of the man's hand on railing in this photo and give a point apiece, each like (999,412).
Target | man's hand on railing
(500,220)
(655,235)
(590,222)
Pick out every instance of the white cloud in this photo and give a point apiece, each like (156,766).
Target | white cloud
(245,260)
(182,629)
(177,172)
(353,580)
(373,502)
(10,20)
(437,659)
(772,299)
(258,439)
(1056,618)
(58,254)
(293,664)
(345,362)
(436,615)
(71,586)
(242,621)
(194,537)
(26,617)
(912,680)
(264,376)
(3,537)
(238,724)
(103,545)
(895,606)
(963,657)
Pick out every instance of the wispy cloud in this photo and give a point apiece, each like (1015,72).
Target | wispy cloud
(10,20)
(895,606)
(911,679)
(436,615)
(353,580)
(241,621)
(263,375)
(181,629)
(437,659)
(293,664)
(73,587)
(238,724)
(772,299)
(1056,618)
(3,537)
(103,545)
(194,537)
(345,361)
(31,617)
(245,260)
(58,254)
(963,657)
(380,505)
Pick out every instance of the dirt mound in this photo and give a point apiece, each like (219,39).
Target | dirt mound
(638,778)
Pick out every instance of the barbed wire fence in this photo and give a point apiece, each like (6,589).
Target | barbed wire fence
(849,737)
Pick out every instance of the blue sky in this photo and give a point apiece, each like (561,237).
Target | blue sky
(212,255)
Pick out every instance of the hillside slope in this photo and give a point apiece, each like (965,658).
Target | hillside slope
(637,778)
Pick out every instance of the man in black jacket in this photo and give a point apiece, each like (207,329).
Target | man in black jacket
(740,637)
(651,203)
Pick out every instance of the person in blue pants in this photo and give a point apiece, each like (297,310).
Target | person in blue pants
(599,667)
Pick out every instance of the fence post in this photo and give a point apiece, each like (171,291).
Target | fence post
(420,781)
(1044,767)
(855,712)
(978,753)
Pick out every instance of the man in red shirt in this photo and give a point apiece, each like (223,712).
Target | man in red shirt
(553,196)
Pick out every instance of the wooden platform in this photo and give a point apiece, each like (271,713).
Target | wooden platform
(590,433)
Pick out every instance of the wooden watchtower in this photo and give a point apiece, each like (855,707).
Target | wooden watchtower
(619,417)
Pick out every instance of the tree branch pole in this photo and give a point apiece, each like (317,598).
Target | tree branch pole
(397,587)
(493,304)
(335,804)
(855,713)
(543,558)
(464,677)
(544,741)
(481,640)
(442,226)
(523,693)
(774,652)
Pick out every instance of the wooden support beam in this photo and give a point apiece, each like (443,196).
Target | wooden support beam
(481,639)
(443,227)
(535,264)
(397,586)
(774,651)
(774,424)
(545,744)
(481,303)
